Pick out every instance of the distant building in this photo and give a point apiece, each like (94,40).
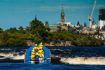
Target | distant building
(68,24)
(53,28)
(85,30)
(64,25)
(101,18)
(94,26)
(78,25)
(47,26)
(62,20)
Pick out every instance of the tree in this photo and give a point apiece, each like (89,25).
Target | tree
(1,30)
(12,30)
(21,28)
(47,26)
(36,26)
(28,28)
(4,38)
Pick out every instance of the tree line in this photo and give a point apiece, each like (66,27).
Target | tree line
(37,32)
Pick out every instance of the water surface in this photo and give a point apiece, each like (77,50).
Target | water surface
(22,66)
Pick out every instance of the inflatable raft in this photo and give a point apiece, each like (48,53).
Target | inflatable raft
(37,54)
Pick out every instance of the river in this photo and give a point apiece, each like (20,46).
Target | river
(22,66)
(66,52)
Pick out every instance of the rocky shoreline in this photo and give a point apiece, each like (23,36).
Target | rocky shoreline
(61,43)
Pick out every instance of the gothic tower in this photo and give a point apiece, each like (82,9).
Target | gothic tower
(62,21)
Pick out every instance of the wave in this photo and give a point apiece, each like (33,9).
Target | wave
(84,60)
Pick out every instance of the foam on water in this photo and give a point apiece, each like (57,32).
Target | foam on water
(84,60)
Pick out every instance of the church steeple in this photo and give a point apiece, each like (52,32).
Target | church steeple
(62,16)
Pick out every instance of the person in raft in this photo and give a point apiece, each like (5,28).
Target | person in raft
(37,53)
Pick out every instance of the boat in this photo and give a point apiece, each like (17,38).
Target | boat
(37,54)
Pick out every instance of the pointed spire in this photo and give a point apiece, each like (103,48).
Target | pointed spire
(85,24)
(62,10)
(62,15)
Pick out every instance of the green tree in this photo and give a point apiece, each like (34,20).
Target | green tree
(12,30)
(21,28)
(36,26)
(1,30)
(4,38)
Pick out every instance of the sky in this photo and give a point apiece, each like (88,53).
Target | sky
(16,13)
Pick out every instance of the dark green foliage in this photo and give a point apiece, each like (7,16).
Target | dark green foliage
(36,26)
(1,30)
(4,38)
(21,28)
(74,38)
(12,30)
(37,32)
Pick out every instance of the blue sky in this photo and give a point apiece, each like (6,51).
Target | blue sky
(15,13)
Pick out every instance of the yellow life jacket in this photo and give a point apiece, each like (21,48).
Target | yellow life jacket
(37,49)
